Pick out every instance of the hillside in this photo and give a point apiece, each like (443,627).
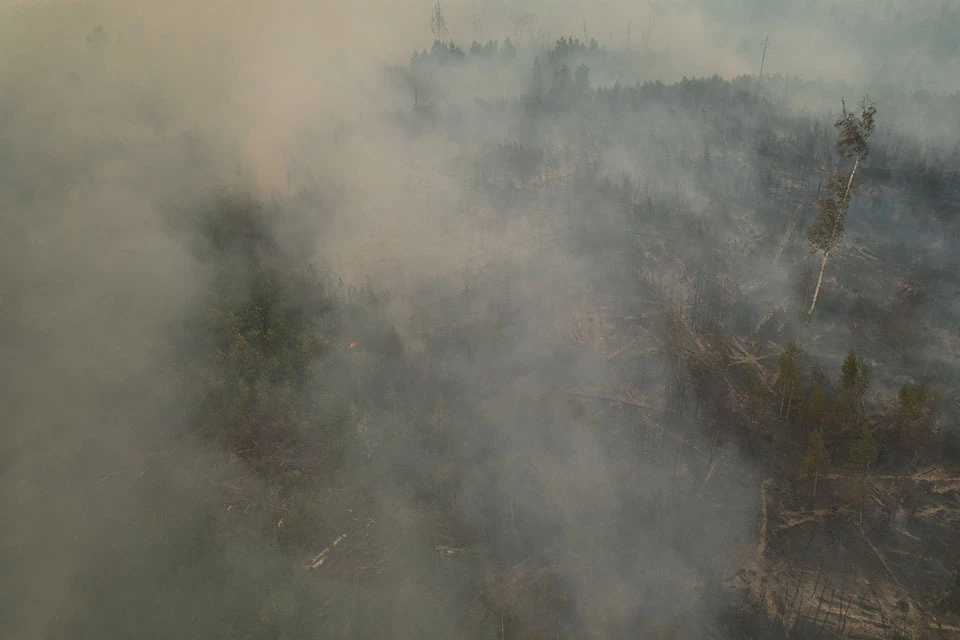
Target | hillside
(525,350)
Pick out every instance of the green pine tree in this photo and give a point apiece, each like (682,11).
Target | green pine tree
(864,451)
(852,391)
(852,142)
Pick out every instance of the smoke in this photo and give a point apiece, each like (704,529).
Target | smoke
(492,436)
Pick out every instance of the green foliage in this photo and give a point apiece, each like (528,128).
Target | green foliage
(855,131)
(848,372)
(757,396)
(567,47)
(446,52)
(913,399)
(816,461)
(852,142)
(827,229)
(863,453)
(852,389)
(251,353)
(790,362)
(916,413)
(816,407)
(265,345)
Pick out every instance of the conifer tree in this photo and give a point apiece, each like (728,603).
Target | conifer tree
(827,229)
(816,461)
(863,453)
(854,383)
(815,408)
(915,414)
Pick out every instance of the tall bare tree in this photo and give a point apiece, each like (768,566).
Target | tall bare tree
(852,142)
(788,378)
(438,24)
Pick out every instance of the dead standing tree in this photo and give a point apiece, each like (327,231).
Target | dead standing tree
(827,228)
(438,24)
(788,378)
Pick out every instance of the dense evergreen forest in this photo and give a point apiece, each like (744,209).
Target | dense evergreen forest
(542,346)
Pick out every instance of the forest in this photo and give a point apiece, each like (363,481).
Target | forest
(503,331)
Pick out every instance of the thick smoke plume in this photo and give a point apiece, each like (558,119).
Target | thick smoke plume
(304,337)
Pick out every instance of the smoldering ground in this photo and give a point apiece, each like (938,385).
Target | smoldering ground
(464,421)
